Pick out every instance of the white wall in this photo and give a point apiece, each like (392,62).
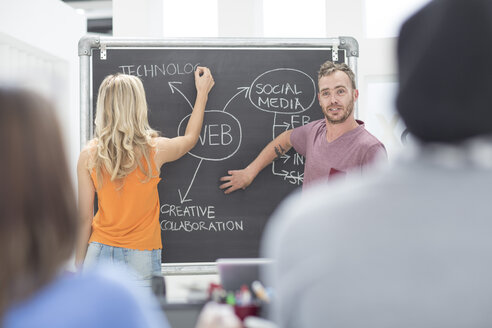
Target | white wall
(237,18)
(38,48)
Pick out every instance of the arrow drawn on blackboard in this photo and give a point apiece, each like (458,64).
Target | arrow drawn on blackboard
(183,199)
(284,125)
(286,156)
(242,89)
(289,176)
(292,177)
(173,87)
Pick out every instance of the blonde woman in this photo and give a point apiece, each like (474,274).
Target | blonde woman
(122,165)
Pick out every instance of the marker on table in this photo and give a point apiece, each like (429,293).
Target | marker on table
(244,296)
(230,299)
(260,291)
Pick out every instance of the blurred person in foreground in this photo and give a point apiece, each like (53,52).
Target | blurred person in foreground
(38,228)
(410,246)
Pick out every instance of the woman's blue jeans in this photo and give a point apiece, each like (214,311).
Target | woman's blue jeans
(140,264)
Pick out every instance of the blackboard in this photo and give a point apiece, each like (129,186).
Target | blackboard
(258,94)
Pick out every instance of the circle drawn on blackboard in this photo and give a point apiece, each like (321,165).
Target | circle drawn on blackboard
(280,91)
(220,137)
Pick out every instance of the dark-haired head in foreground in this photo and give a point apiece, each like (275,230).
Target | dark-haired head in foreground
(445,71)
(38,215)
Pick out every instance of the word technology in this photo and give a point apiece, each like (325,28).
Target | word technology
(154,70)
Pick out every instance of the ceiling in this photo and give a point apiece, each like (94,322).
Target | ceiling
(99,14)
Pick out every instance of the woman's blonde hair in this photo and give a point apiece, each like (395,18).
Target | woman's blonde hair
(122,131)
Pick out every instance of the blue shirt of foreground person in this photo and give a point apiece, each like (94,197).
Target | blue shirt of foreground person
(410,246)
(100,297)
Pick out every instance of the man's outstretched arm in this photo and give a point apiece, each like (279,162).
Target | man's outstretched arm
(241,179)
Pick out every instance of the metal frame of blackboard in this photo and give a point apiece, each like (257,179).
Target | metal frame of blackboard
(88,43)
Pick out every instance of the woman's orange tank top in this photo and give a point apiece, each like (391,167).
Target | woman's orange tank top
(128,210)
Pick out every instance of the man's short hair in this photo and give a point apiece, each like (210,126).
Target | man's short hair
(328,68)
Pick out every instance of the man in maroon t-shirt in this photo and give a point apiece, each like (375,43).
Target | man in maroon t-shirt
(332,146)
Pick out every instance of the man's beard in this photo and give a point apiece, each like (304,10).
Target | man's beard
(346,113)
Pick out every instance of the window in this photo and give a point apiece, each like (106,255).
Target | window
(294,19)
(383,18)
(190,18)
(380,115)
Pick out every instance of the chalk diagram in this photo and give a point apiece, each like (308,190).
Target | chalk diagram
(278,91)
